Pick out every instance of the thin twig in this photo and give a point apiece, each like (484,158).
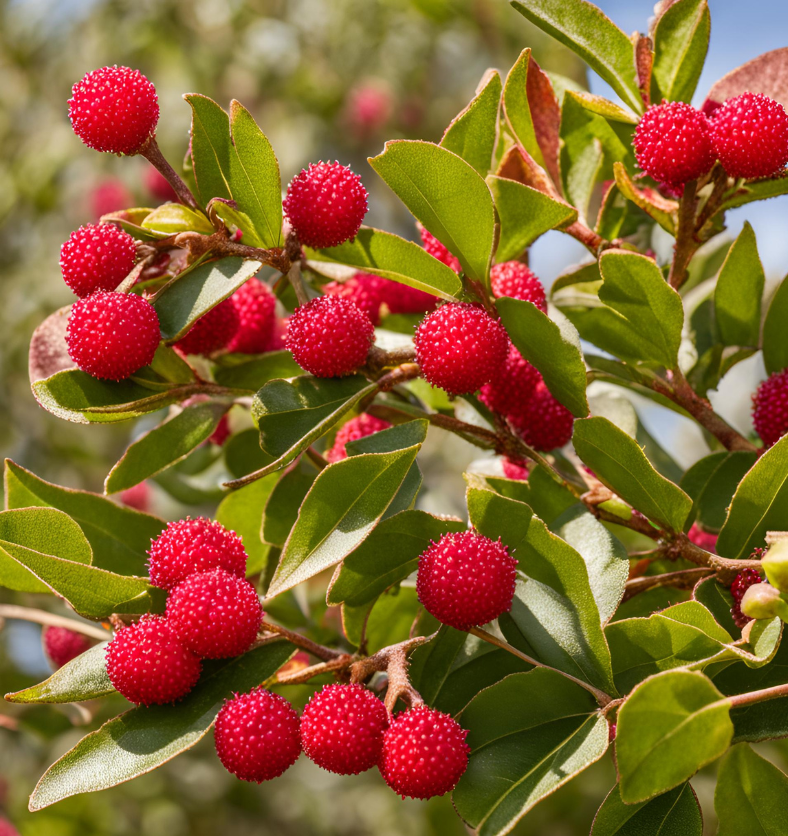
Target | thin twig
(153,155)
(339,664)
(393,660)
(740,700)
(684,579)
(295,279)
(324,653)
(51,620)
(686,244)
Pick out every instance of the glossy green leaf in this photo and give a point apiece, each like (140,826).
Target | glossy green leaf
(210,148)
(681,40)
(775,335)
(282,507)
(716,598)
(711,483)
(472,134)
(756,190)
(517,109)
(674,813)
(172,218)
(242,512)
(547,497)
(252,373)
(737,296)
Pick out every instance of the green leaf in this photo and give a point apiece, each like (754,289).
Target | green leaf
(711,483)
(674,813)
(669,727)
(447,195)
(529,735)
(172,218)
(517,109)
(342,507)
(239,371)
(119,536)
(548,498)
(165,445)
(756,190)
(242,512)
(143,739)
(737,297)
(472,134)
(282,507)
(619,463)
(552,346)
(210,148)
(662,210)
(775,337)
(751,795)
(387,255)
(681,41)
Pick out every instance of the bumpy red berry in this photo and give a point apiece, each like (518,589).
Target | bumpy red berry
(112,335)
(514,469)
(364,289)
(544,423)
(326,204)
(359,427)
(673,143)
(705,539)
(137,497)
(188,547)
(434,247)
(212,331)
(466,579)
(512,385)
(257,735)
(342,729)
(460,347)
(255,306)
(221,433)
(770,408)
(515,279)
(329,336)
(97,257)
(62,645)
(215,614)
(424,753)
(741,583)
(148,664)
(114,109)
(401,299)
(750,136)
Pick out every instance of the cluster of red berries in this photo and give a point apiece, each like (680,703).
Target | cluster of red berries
(376,295)
(741,583)
(770,408)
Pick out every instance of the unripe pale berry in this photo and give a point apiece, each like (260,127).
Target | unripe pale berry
(759,600)
(215,614)
(741,583)
(255,306)
(402,299)
(705,539)
(770,408)
(212,331)
(148,664)
(114,109)
(513,469)
(512,386)
(112,335)
(364,289)
(359,427)
(673,143)
(257,735)
(97,257)
(329,336)
(544,423)
(460,347)
(424,753)
(61,645)
(434,247)
(750,136)
(188,547)
(342,728)
(466,580)
(515,279)
(775,564)
(325,204)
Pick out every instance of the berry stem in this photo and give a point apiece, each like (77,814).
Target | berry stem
(683,579)
(324,653)
(686,244)
(739,700)
(153,155)
(298,677)
(51,620)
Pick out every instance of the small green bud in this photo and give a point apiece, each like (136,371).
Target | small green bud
(764,601)
(775,564)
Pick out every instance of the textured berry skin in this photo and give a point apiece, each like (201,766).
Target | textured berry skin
(466,579)
(424,753)
(460,347)
(342,729)
(255,306)
(512,385)
(137,497)
(513,469)
(112,335)
(515,279)
(673,143)
(97,257)
(257,735)
(330,336)
(215,614)
(364,289)
(401,299)
(326,204)
(770,408)
(544,423)
(359,427)
(741,583)
(212,331)
(148,664)
(114,109)
(434,247)
(705,539)
(188,547)
(62,645)
(750,136)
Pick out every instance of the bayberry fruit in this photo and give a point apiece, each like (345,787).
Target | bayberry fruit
(7,829)
(424,753)
(221,433)
(212,331)
(364,289)
(326,204)
(434,247)
(112,335)
(705,539)
(770,408)
(402,299)
(359,427)
(512,385)
(257,736)
(750,136)
(515,279)
(255,306)
(97,257)
(148,664)
(114,109)
(741,583)
(515,469)
(137,497)
(330,336)
(189,547)
(342,728)
(215,614)
(544,423)
(61,645)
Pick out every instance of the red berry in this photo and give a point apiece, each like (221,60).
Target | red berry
(221,433)
(256,735)
(278,334)
(188,547)
(512,385)
(255,306)
(364,289)
(514,469)
(7,829)
(424,753)
(342,728)
(705,539)
(673,143)
(460,347)
(543,422)
(215,614)
(434,247)
(114,109)
(402,299)
(112,335)
(97,257)
(212,331)
(770,408)
(62,645)
(368,108)
(326,204)
(515,279)
(148,664)
(158,185)
(137,497)
(359,427)
(466,579)
(330,336)
(110,196)
(750,136)
(741,583)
